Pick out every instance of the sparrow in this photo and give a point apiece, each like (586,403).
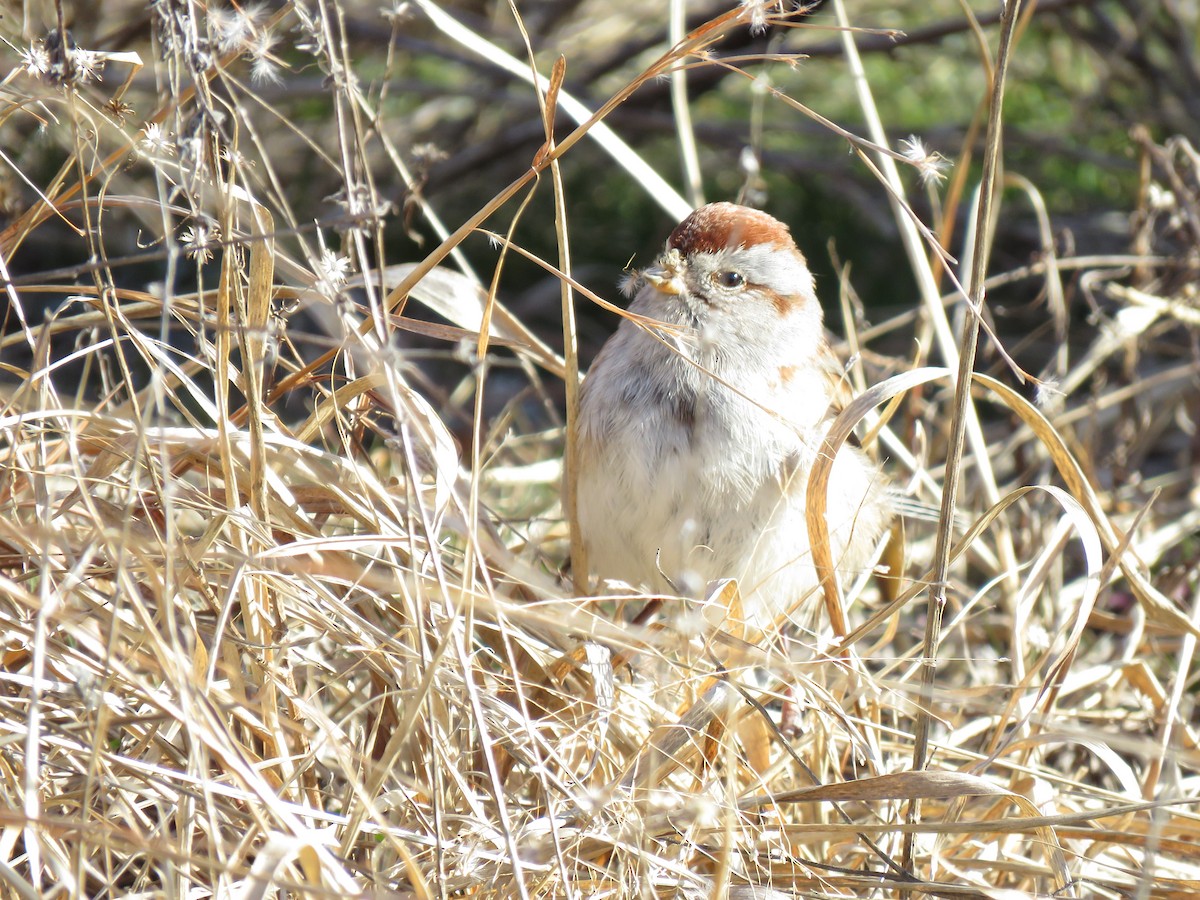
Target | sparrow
(701,419)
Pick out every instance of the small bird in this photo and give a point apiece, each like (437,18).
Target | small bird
(697,431)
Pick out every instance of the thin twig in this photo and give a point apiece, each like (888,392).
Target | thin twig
(961,410)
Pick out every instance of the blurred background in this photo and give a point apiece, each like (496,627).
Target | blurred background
(1085,74)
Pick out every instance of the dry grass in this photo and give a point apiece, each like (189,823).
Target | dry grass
(283,613)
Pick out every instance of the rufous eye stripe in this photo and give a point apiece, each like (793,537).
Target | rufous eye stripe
(783,303)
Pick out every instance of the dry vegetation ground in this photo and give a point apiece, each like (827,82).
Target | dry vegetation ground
(281,596)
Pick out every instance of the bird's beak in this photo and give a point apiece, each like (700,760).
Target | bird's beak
(666,275)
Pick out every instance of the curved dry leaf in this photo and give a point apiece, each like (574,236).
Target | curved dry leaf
(927,785)
(437,448)
(1107,756)
(459,299)
(1093,558)
(1158,608)
(818,479)
(260,291)
(670,745)
(320,867)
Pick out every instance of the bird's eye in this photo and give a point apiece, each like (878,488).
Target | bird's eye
(729,279)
